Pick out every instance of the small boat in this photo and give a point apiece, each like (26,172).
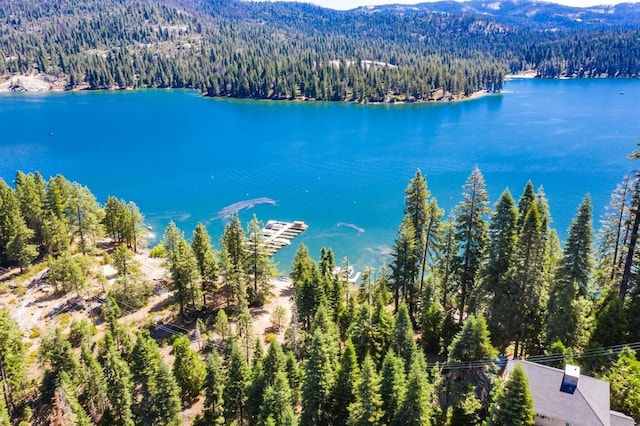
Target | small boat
(622,93)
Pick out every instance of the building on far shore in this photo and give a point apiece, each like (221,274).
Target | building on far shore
(588,405)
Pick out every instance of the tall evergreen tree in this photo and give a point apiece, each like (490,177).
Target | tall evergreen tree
(206,258)
(404,344)
(405,264)
(236,386)
(345,389)
(259,267)
(526,285)
(12,360)
(569,305)
(393,386)
(119,384)
(185,276)
(158,401)
(233,243)
(514,403)
(318,380)
(214,391)
(367,408)
(278,403)
(417,209)
(500,249)
(188,369)
(471,234)
(416,406)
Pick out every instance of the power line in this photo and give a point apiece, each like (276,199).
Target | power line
(539,359)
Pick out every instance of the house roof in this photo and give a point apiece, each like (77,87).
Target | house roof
(620,419)
(587,406)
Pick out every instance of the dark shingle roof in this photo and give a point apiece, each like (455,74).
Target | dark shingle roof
(588,406)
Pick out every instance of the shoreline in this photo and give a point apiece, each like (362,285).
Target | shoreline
(44,83)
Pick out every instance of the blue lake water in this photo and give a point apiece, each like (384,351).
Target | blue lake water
(341,168)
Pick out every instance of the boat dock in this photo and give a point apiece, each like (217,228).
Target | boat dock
(279,234)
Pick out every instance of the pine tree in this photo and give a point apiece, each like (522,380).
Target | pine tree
(302,263)
(4,414)
(318,379)
(158,401)
(255,390)
(345,388)
(236,388)
(233,245)
(513,404)
(214,391)
(502,241)
(405,263)
(417,209)
(185,276)
(367,408)
(12,360)
(30,191)
(393,386)
(404,344)
(188,369)
(416,405)
(277,403)
(259,267)
(274,362)
(119,385)
(624,378)
(221,325)
(471,234)
(94,393)
(206,258)
(525,282)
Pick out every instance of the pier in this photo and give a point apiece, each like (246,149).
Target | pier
(279,234)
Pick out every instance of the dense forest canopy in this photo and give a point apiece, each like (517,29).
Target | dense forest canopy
(295,51)
(414,342)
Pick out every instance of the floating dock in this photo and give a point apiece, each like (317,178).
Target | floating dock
(279,234)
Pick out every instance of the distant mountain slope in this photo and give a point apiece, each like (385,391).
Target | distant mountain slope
(524,13)
(277,50)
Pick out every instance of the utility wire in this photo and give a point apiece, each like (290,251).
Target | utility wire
(539,359)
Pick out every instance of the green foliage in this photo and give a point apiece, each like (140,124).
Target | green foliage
(81,331)
(221,325)
(346,387)
(158,400)
(278,318)
(416,406)
(214,391)
(472,343)
(158,251)
(319,378)
(188,369)
(393,386)
(367,408)
(12,358)
(624,380)
(513,403)
(471,234)
(66,274)
(236,388)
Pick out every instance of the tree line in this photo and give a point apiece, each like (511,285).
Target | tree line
(273,51)
(458,290)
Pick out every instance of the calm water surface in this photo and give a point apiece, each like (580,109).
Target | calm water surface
(341,168)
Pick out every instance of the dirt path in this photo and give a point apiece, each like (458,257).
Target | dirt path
(283,292)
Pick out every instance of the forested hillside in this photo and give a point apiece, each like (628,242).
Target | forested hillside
(295,51)
(92,333)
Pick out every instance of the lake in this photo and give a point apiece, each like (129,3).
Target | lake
(341,168)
